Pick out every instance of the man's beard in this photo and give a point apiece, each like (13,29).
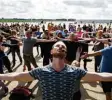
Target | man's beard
(60,55)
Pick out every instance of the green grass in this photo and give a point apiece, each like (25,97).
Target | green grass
(17,20)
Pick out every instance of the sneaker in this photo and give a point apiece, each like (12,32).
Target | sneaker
(85,69)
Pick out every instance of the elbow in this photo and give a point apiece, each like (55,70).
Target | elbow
(16,78)
(20,78)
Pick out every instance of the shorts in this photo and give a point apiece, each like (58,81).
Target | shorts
(107,86)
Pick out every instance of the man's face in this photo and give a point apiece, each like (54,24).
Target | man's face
(60,35)
(59,50)
(28,35)
(38,28)
(100,35)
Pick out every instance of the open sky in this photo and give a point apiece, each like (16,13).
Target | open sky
(79,9)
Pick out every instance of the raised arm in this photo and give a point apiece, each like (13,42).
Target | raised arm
(24,77)
(91,54)
(93,76)
(104,40)
(45,40)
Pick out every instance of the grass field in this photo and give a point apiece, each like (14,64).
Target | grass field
(18,20)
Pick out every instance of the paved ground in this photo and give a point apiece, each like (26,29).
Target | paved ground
(90,91)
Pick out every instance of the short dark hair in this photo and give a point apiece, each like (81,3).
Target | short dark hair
(1,38)
(13,32)
(29,31)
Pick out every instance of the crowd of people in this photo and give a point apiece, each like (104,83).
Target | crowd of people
(62,48)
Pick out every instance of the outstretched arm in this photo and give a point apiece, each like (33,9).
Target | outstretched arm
(45,40)
(105,41)
(93,76)
(24,77)
(91,54)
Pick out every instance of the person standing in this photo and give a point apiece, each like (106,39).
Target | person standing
(28,44)
(16,49)
(98,45)
(105,66)
(58,74)
(4,60)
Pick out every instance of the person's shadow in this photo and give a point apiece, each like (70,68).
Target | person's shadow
(38,95)
(85,94)
(15,68)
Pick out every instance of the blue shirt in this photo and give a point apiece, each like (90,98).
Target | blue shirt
(38,33)
(58,85)
(106,62)
(64,35)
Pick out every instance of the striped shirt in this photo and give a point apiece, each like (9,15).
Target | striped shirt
(58,85)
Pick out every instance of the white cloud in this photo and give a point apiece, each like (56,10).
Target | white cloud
(87,3)
(79,9)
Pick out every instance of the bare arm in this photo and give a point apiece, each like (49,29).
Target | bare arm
(45,40)
(105,41)
(95,53)
(91,54)
(92,77)
(87,39)
(24,77)
(100,40)
(90,44)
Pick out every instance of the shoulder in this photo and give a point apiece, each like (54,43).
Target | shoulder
(110,47)
(43,68)
(106,49)
(77,71)
(73,68)
(34,39)
(24,38)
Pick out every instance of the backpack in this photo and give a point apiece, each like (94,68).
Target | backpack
(21,93)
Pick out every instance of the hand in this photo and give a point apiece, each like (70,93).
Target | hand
(20,44)
(93,39)
(54,40)
(84,56)
(75,63)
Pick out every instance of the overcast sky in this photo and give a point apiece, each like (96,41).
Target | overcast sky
(79,9)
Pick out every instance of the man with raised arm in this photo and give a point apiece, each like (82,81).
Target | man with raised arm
(105,66)
(28,44)
(58,80)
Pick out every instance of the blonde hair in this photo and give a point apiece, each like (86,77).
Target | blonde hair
(100,32)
